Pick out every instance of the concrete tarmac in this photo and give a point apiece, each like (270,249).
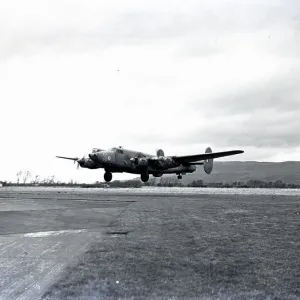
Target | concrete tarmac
(42,232)
(80,244)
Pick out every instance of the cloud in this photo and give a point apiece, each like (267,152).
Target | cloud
(146,74)
(265,115)
(198,27)
(279,92)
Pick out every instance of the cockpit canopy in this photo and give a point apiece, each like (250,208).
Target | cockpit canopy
(94,150)
(117,149)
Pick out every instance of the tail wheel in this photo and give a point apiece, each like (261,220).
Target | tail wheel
(107,176)
(144,177)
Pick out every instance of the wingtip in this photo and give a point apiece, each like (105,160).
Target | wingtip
(239,151)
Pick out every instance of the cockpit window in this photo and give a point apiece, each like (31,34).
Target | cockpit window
(95,150)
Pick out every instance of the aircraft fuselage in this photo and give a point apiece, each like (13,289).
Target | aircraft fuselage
(118,160)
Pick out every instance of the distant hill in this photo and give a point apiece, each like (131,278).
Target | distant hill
(229,172)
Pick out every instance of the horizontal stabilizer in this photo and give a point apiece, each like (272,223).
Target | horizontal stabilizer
(204,156)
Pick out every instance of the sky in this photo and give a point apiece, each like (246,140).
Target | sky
(177,75)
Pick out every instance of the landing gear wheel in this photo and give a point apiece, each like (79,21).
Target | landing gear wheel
(179,176)
(144,177)
(107,176)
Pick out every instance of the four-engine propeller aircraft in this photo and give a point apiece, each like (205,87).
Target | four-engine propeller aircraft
(119,160)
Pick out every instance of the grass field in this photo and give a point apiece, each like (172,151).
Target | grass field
(192,247)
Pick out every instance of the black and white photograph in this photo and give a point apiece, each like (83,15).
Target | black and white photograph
(151,149)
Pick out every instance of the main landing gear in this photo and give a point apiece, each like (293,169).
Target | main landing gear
(179,176)
(144,177)
(107,176)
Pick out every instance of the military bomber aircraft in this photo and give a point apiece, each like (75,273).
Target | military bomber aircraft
(119,160)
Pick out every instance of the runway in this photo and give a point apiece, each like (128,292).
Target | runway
(91,244)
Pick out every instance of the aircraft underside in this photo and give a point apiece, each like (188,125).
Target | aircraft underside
(179,171)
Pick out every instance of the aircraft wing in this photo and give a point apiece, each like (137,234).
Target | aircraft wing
(204,156)
(71,158)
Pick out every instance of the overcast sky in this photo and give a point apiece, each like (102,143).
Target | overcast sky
(178,75)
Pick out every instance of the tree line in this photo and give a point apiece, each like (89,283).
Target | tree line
(25,178)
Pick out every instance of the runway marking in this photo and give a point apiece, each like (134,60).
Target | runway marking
(52,233)
(29,266)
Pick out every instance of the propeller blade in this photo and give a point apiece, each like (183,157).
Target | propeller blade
(71,158)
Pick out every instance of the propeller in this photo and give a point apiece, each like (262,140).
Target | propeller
(80,162)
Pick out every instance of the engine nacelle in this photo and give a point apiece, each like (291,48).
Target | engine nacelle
(164,162)
(208,163)
(87,163)
(140,162)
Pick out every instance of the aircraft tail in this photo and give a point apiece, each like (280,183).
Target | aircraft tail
(208,163)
